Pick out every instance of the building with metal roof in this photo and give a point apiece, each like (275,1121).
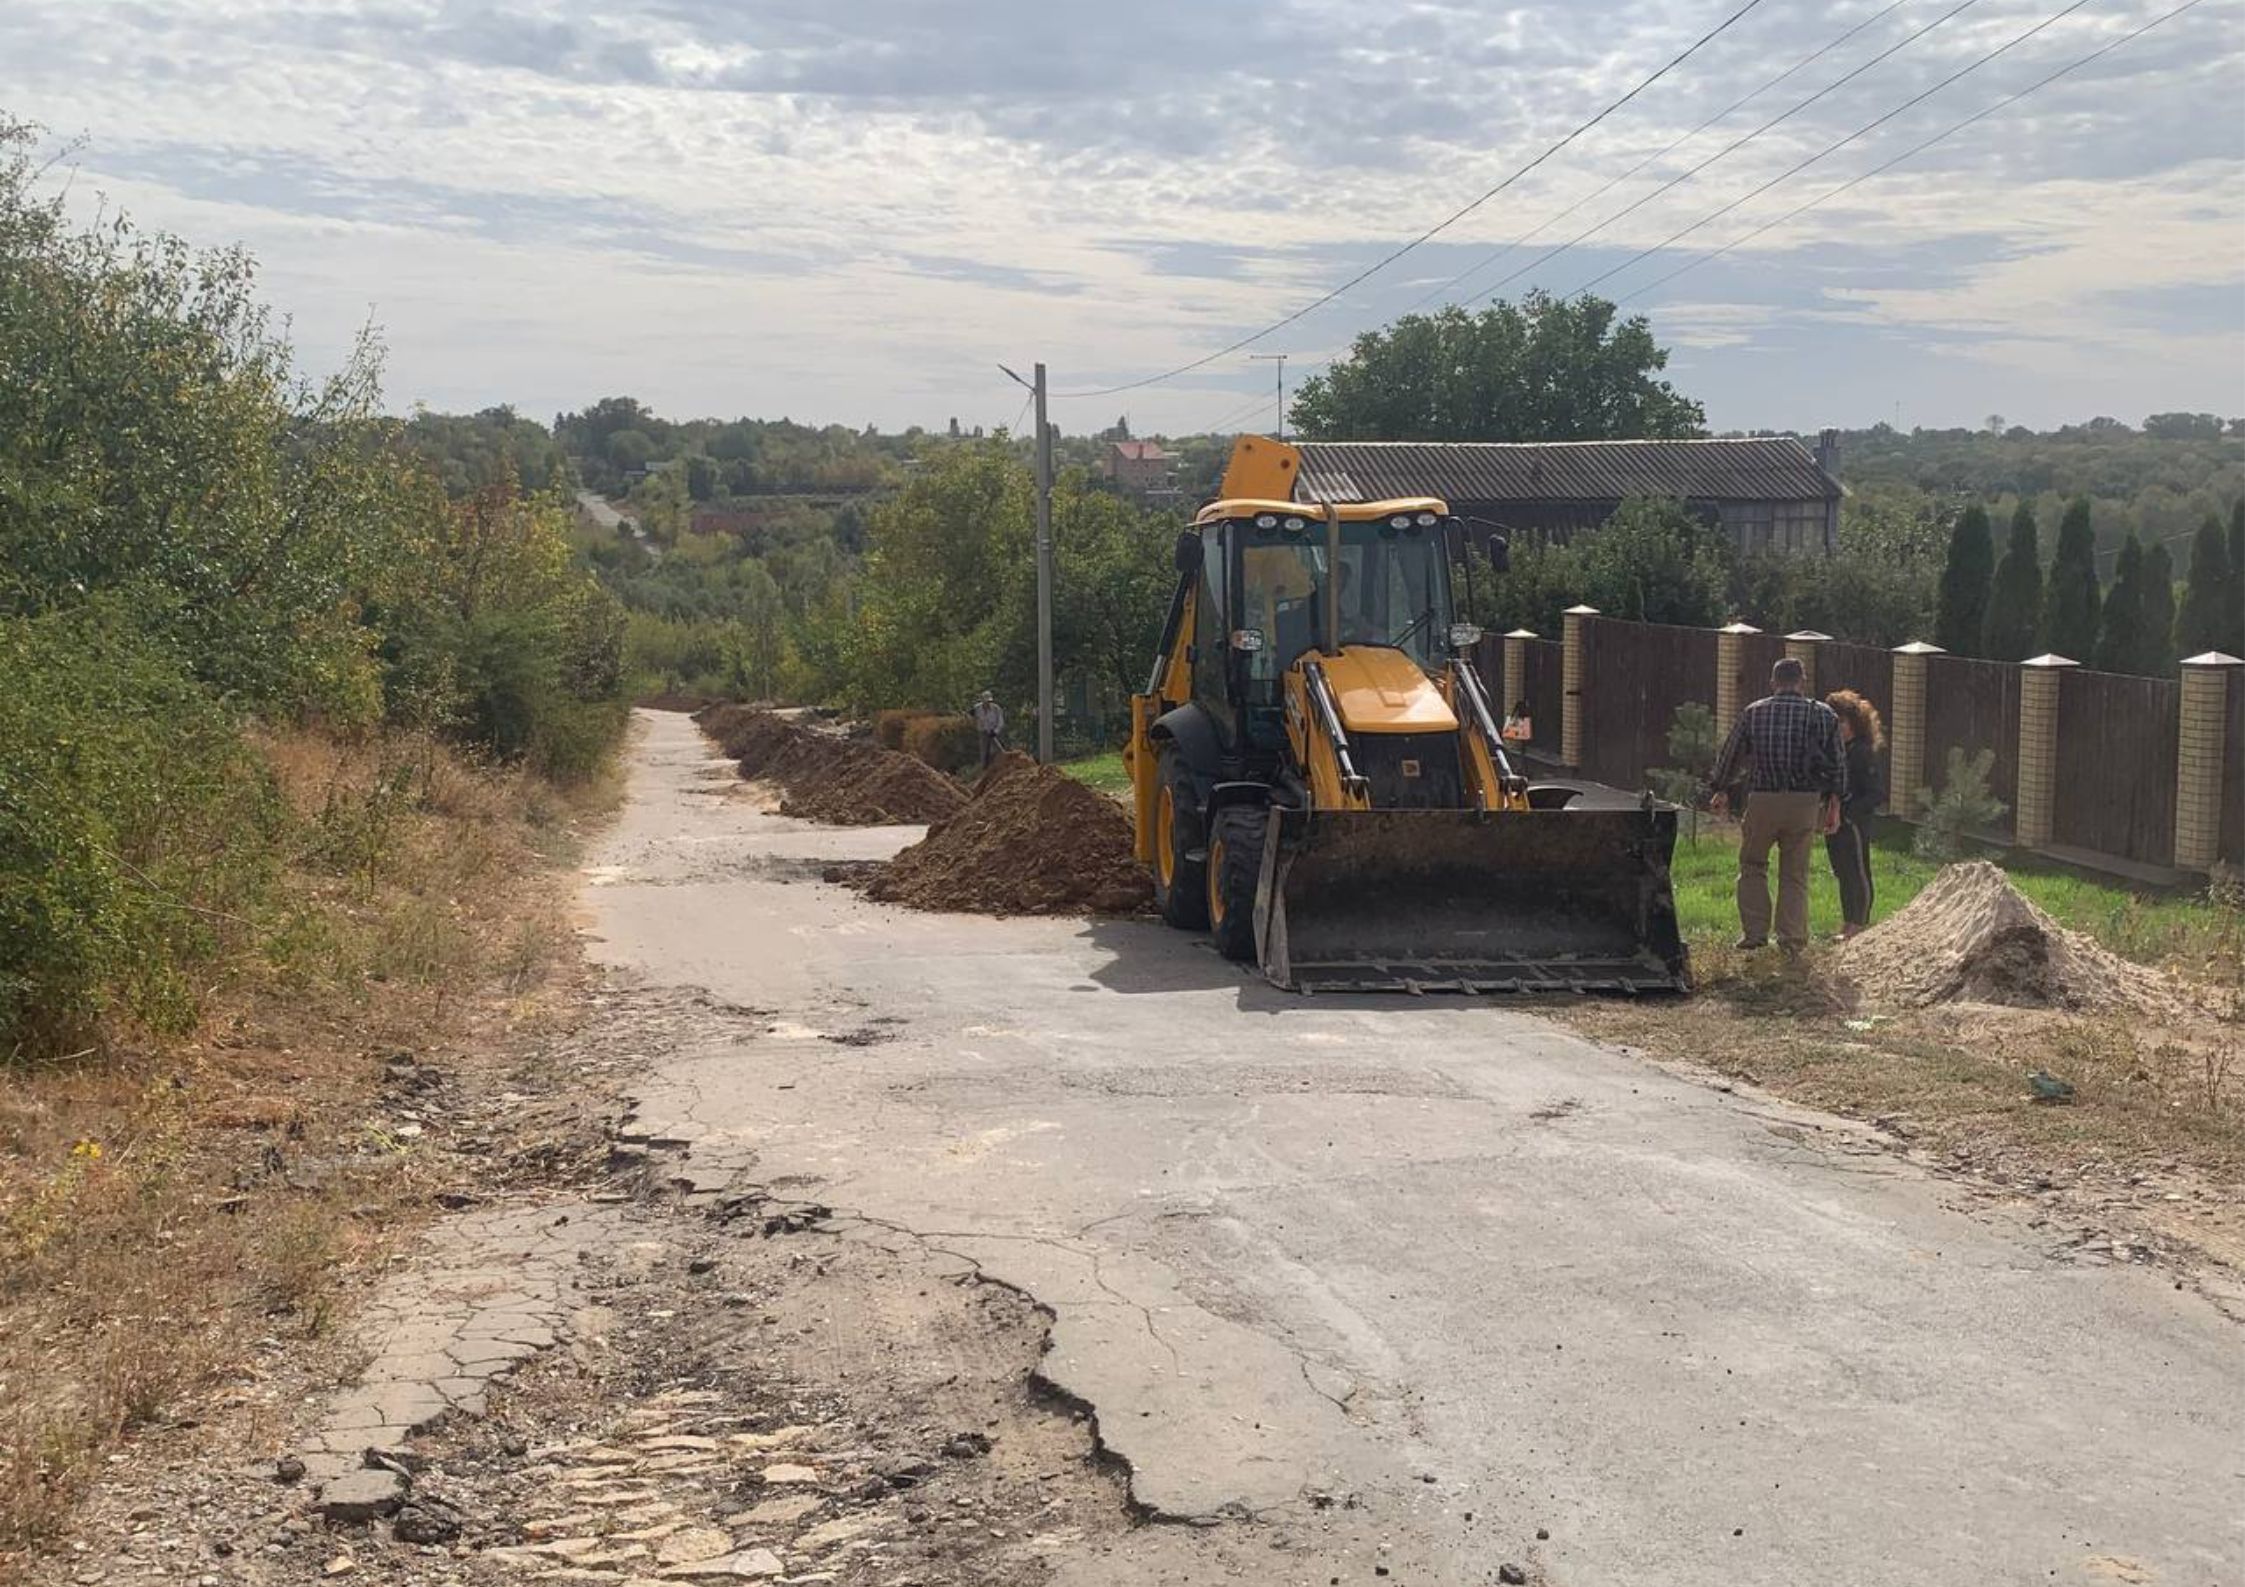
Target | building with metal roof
(1770,492)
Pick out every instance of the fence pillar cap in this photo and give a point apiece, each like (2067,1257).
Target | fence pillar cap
(2049,660)
(1808,634)
(1738,628)
(1522,633)
(1580,611)
(1918,647)
(2214,658)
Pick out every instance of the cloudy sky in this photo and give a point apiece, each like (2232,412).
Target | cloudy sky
(852,209)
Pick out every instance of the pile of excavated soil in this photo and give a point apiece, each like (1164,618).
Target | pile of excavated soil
(825,777)
(1032,841)
(1971,937)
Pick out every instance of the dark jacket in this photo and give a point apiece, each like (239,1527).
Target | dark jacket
(1866,784)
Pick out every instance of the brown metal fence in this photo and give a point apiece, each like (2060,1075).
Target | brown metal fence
(1864,668)
(1540,688)
(1635,675)
(2118,740)
(2233,774)
(1757,653)
(2118,735)
(1971,706)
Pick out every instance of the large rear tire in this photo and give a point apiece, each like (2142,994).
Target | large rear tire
(1180,881)
(1235,865)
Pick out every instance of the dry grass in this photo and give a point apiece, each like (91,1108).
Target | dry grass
(2149,1095)
(166,1205)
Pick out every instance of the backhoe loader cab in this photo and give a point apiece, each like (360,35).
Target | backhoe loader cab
(1319,781)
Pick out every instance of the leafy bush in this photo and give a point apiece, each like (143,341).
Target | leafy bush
(137,830)
(1961,808)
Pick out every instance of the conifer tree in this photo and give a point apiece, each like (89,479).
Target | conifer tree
(2015,601)
(2070,604)
(2204,621)
(2120,629)
(1961,620)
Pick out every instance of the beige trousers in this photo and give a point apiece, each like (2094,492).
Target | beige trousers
(1789,823)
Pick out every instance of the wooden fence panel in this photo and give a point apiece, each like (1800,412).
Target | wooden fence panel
(1974,705)
(2117,744)
(1636,675)
(2233,771)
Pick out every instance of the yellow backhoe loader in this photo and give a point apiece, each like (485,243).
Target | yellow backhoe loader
(1320,783)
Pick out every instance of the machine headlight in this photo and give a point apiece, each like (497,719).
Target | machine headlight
(1266,520)
(1401,520)
(1295,526)
(1427,520)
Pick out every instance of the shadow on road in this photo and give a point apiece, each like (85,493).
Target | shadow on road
(1147,956)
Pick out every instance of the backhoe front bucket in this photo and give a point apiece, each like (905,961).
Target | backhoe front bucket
(1449,900)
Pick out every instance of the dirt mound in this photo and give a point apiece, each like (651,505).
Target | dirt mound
(826,777)
(1032,841)
(1970,936)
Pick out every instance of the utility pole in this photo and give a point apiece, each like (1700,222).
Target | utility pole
(1280,360)
(1044,576)
(1044,562)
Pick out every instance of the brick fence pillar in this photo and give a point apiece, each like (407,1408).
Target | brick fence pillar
(2038,747)
(2200,758)
(1905,728)
(1514,685)
(1730,658)
(1802,648)
(1571,682)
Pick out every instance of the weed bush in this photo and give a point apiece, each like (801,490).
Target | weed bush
(948,743)
(137,830)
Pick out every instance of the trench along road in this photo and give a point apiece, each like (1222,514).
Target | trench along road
(1413,1280)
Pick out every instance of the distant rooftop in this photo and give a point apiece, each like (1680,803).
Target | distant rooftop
(1761,468)
(1141,451)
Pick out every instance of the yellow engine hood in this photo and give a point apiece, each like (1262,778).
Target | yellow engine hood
(1381,690)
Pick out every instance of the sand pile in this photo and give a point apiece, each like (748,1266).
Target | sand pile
(1032,841)
(825,777)
(1971,937)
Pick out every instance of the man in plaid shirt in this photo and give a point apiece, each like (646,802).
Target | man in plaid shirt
(1789,747)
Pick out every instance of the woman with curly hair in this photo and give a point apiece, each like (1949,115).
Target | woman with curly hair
(1849,846)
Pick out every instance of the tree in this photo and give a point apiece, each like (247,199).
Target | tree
(1960,621)
(2236,645)
(2204,623)
(701,478)
(2158,654)
(2015,601)
(2072,600)
(1654,562)
(2121,640)
(1545,369)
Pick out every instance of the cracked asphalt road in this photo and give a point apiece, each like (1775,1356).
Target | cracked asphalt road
(1434,1266)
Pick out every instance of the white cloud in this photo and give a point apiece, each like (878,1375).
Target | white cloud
(852,212)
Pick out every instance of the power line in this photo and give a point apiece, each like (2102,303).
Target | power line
(1432,231)
(1552,220)
(1913,151)
(1734,145)
(1833,148)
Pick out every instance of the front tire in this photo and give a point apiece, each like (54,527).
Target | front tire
(1180,881)
(1235,866)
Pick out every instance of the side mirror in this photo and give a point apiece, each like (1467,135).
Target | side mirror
(1188,553)
(1500,554)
